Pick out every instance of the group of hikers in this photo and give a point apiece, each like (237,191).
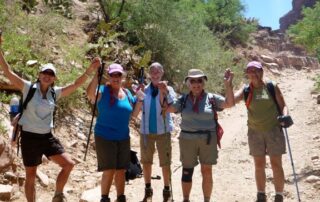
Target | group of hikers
(199,137)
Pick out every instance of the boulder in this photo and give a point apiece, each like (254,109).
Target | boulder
(6,155)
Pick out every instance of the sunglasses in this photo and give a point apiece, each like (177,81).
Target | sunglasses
(192,81)
(115,75)
(49,73)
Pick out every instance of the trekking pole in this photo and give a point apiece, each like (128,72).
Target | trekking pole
(141,81)
(100,75)
(292,164)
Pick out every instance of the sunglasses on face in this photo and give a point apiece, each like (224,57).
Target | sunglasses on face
(115,75)
(49,73)
(192,81)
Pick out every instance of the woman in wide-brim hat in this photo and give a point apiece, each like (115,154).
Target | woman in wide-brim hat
(37,122)
(198,137)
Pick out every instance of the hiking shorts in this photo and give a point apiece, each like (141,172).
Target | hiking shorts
(196,149)
(112,154)
(34,145)
(163,144)
(270,143)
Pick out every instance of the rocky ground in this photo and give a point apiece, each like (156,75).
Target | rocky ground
(234,173)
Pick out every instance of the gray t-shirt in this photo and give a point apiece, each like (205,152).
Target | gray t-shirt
(198,121)
(38,116)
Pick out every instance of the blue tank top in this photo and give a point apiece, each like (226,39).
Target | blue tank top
(113,120)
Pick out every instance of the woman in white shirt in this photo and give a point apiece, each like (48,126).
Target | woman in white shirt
(37,123)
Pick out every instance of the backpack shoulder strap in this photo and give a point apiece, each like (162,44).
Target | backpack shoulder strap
(30,94)
(246,91)
(53,94)
(129,95)
(272,92)
(183,101)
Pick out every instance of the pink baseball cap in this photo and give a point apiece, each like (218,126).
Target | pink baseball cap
(255,64)
(115,68)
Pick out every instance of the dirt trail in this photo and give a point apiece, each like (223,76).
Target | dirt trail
(234,174)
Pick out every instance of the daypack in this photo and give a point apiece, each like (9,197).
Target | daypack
(248,93)
(212,101)
(134,170)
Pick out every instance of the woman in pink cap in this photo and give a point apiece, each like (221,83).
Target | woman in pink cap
(37,122)
(265,103)
(115,106)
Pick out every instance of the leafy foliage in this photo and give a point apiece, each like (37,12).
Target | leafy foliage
(61,6)
(307,31)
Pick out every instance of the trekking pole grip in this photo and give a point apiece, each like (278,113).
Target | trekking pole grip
(100,75)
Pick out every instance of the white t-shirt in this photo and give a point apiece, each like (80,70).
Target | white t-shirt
(38,116)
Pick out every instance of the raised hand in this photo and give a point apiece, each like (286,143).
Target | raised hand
(228,77)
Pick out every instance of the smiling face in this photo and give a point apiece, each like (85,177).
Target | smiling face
(196,85)
(47,77)
(116,79)
(254,74)
(156,74)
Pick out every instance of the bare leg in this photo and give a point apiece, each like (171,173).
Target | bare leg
(260,174)
(66,163)
(106,181)
(207,182)
(119,179)
(278,174)
(29,186)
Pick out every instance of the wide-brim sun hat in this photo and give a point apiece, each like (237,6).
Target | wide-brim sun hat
(195,73)
(255,64)
(115,68)
(48,66)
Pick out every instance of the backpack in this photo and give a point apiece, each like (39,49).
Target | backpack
(134,170)
(212,101)
(248,92)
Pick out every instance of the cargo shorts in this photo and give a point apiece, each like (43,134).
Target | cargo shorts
(270,143)
(148,144)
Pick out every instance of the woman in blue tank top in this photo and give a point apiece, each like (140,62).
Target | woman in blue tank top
(115,106)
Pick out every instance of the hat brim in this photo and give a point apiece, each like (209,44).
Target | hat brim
(115,70)
(196,76)
(45,69)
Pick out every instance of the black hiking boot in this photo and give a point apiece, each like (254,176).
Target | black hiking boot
(148,192)
(186,200)
(105,200)
(167,196)
(278,198)
(121,198)
(261,197)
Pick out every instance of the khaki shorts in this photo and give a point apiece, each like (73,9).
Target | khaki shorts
(163,143)
(270,143)
(193,149)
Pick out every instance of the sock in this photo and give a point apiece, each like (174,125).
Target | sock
(167,188)
(206,199)
(57,193)
(279,193)
(261,192)
(105,196)
(148,185)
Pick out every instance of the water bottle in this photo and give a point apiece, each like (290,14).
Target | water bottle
(139,93)
(14,106)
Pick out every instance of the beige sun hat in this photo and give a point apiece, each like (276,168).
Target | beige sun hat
(195,73)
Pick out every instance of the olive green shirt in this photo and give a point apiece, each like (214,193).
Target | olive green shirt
(262,111)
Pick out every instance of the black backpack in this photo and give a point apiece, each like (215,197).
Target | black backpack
(134,170)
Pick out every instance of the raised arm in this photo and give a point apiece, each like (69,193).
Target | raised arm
(14,78)
(67,90)
(229,101)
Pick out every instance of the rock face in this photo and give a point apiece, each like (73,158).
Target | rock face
(6,155)
(295,14)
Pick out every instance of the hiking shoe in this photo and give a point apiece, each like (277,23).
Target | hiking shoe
(59,198)
(167,197)
(105,200)
(278,198)
(121,198)
(261,197)
(186,200)
(148,192)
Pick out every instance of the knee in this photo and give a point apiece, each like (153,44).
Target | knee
(187,174)
(206,171)
(69,165)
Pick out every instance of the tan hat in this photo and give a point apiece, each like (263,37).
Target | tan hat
(195,73)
